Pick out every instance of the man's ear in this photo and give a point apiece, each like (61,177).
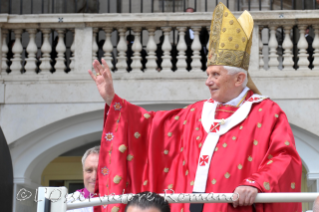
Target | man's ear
(240,79)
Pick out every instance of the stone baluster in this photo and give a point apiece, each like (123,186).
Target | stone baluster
(108,47)
(181,47)
(166,47)
(72,59)
(60,48)
(287,45)
(196,47)
(4,49)
(17,49)
(95,47)
(273,44)
(46,50)
(315,45)
(303,61)
(261,45)
(32,49)
(121,47)
(137,47)
(151,64)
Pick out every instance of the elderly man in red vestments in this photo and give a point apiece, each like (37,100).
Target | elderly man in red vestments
(236,141)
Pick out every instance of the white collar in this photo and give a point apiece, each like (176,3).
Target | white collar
(306,35)
(235,101)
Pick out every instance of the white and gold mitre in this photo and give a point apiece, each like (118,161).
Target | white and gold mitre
(230,40)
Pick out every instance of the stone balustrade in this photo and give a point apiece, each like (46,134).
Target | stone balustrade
(268,53)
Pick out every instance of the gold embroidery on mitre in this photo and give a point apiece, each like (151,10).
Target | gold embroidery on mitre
(115,209)
(222,45)
(227,175)
(293,185)
(230,38)
(266,186)
(137,135)
(214,181)
(240,166)
(117,179)
(146,115)
(232,55)
(122,148)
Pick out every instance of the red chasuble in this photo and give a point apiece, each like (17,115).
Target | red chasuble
(153,151)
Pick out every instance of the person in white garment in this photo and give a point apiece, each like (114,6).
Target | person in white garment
(90,162)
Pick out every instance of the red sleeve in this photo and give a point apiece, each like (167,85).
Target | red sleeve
(281,168)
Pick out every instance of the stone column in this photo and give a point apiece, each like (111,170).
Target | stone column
(287,45)
(72,63)
(196,47)
(108,47)
(151,64)
(136,47)
(315,45)
(46,49)
(32,49)
(261,46)
(181,47)
(273,44)
(17,49)
(4,49)
(166,47)
(303,61)
(121,64)
(95,47)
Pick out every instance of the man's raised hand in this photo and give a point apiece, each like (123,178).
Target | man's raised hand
(103,80)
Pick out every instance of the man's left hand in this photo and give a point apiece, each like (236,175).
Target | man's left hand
(247,196)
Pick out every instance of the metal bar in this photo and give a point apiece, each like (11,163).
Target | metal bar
(248,5)
(64,9)
(20,7)
(142,6)
(130,6)
(303,4)
(195,6)
(227,3)
(216,2)
(199,198)
(52,6)
(292,4)
(270,6)
(0,6)
(108,6)
(205,5)
(31,7)
(10,6)
(163,6)
(238,5)
(259,5)
(153,6)
(184,5)
(173,6)
(87,6)
(76,6)
(42,9)
(281,5)
(313,4)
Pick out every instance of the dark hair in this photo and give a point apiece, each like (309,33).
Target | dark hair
(149,200)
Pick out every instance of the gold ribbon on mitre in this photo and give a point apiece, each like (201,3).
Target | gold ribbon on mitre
(230,41)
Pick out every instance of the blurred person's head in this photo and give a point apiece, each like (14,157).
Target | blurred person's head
(307,31)
(190,10)
(147,202)
(316,205)
(90,161)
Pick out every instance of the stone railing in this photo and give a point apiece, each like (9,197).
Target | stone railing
(37,54)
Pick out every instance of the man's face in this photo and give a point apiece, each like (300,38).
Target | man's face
(138,209)
(90,171)
(222,86)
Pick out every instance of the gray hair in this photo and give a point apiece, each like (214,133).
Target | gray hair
(234,70)
(93,150)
